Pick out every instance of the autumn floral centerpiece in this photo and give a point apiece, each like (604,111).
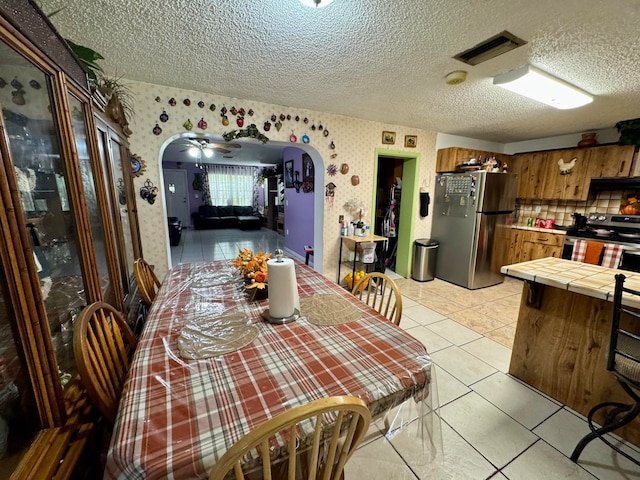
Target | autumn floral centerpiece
(254,270)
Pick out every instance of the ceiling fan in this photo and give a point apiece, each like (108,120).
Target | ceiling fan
(198,146)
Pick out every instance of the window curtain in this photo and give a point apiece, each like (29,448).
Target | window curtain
(232,185)
(206,195)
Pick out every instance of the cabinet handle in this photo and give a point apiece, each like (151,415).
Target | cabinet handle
(575,190)
(543,239)
(622,167)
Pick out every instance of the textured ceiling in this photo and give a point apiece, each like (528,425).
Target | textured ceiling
(379,60)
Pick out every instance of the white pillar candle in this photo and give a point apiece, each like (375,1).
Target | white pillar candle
(283,288)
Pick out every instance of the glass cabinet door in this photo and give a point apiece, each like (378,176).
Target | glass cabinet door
(42,183)
(91,198)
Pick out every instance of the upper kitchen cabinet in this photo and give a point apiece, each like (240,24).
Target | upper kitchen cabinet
(60,242)
(565,174)
(449,158)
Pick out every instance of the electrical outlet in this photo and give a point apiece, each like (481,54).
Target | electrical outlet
(537,209)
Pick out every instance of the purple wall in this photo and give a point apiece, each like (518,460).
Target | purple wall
(298,208)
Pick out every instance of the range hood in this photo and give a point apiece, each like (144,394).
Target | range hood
(615,183)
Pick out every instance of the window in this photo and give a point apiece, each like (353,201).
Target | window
(231,185)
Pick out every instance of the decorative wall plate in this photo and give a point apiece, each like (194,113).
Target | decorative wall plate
(344,169)
(138,165)
(163,116)
(332,170)
(305,138)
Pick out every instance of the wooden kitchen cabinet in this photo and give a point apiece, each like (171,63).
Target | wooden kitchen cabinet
(540,175)
(610,160)
(530,168)
(525,245)
(536,245)
(448,158)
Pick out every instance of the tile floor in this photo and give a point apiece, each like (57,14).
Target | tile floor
(492,426)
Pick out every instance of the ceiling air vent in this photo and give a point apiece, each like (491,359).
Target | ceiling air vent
(490,48)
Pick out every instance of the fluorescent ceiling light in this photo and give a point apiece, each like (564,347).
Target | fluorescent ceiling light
(316,3)
(541,86)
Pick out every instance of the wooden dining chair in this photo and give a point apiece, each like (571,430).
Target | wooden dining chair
(146,279)
(103,345)
(623,360)
(382,294)
(327,457)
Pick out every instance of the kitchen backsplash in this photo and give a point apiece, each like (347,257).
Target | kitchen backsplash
(561,210)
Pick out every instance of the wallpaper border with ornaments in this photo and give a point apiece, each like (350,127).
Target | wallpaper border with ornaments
(355,142)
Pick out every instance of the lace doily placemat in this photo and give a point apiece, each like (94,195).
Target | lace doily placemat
(328,309)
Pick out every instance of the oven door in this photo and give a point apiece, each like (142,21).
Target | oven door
(630,255)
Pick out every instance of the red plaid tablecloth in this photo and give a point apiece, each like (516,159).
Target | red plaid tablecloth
(177,417)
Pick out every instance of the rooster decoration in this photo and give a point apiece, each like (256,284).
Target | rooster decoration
(565,168)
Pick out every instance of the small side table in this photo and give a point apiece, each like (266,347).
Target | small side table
(354,240)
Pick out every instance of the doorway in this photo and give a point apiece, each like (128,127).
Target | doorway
(390,165)
(176,193)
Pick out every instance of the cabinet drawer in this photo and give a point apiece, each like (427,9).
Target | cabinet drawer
(554,239)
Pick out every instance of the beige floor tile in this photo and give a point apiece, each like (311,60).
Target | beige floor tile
(476,320)
(503,335)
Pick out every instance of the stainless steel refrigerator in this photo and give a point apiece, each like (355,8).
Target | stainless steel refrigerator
(468,210)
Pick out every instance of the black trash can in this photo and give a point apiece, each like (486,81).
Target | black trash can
(423,268)
(175,231)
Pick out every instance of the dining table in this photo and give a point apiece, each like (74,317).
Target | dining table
(208,369)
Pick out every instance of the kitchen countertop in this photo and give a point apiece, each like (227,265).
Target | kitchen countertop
(582,278)
(539,229)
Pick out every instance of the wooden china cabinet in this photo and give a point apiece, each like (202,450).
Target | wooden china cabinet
(69,238)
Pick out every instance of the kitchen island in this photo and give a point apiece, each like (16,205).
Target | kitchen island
(562,334)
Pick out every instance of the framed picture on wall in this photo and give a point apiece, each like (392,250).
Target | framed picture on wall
(288,174)
(388,138)
(410,141)
(307,168)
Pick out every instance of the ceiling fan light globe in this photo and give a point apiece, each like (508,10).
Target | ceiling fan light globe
(193,151)
(208,152)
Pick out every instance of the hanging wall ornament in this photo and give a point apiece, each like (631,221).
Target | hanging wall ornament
(326,132)
(202,124)
(225,120)
(282,117)
(288,117)
(172,102)
(212,107)
(233,111)
(157,130)
(297,118)
(223,111)
(187,102)
(250,112)
(355,180)
(34,84)
(278,125)
(188,125)
(305,138)
(267,126)
(344,169)
(313,127)
(15,83)
(329,189)
(332,170)
(273,118)
(292,137)
(332,145)
(163,116)
(240,121)
(201,104)
(3,82)
(241,111)
(306,120)
(320,127)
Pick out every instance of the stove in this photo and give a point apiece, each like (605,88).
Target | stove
(610,228)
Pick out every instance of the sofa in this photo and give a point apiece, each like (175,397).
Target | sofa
(228,216)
